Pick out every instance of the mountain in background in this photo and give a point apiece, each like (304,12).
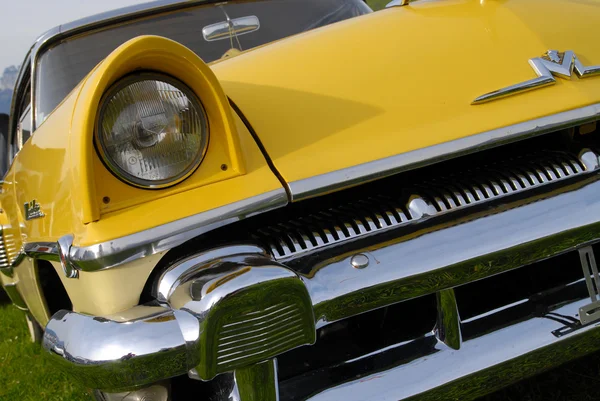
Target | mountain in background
(7,84)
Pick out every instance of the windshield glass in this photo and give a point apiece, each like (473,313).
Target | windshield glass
(61,67)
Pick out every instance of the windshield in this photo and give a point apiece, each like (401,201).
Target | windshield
(253,23)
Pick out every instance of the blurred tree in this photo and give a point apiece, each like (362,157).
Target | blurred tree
(377,4)
(5,98)
(9,77)
(7,83)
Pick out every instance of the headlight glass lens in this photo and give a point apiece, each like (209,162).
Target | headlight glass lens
(152,131)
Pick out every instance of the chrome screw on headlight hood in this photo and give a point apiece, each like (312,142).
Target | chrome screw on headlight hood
(152,131)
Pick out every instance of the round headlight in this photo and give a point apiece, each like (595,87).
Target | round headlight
(152,131)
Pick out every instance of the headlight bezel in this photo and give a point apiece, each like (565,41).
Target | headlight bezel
(104,154)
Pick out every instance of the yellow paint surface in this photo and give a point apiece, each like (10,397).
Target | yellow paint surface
(404,78)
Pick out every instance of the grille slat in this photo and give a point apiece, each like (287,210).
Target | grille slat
(269,348)
(257,333)
(377,212)
(258,344)
(5,247)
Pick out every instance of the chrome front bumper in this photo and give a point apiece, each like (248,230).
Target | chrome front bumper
(148,344)
(427,369)
(121,354)
(216,312)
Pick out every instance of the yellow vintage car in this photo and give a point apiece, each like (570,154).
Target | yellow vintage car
(306,200)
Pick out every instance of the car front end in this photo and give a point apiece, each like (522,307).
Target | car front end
(397,205)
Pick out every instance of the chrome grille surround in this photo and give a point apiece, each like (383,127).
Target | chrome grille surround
(430,198)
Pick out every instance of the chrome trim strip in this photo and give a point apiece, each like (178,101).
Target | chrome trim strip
(63,246)
(493,359)
(122,250)
(453,253)
(23,76)
(355,175)
(157,239)
(38,250)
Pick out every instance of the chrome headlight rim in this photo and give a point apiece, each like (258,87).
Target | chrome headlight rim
(113,167)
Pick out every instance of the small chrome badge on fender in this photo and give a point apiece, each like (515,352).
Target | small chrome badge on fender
(33,210)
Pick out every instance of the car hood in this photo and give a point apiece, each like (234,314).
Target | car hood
(403,79)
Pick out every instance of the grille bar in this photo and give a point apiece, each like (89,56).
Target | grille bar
(258,332)
(431,197)
(4,244)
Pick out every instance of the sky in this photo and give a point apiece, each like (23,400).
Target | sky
(22,21)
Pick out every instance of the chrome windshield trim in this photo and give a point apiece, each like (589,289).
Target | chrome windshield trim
(98,21)
(355,175)
(110,17)
(157,239)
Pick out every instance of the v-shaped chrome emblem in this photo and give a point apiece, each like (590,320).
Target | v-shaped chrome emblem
(551,63)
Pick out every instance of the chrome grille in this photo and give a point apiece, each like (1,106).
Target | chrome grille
(4,263)
(430,197)
(255,333)
(499,179)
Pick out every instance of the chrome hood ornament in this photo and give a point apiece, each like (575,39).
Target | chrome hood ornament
(551,63)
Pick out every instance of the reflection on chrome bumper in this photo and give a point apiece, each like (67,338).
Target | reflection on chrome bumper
(112,354)
(438,372)
(213,309)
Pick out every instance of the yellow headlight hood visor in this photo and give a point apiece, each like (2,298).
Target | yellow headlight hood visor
(144,53)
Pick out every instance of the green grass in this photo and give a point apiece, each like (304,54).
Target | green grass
(25,373)
(574,381)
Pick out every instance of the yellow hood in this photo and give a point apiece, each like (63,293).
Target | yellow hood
(404,78)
